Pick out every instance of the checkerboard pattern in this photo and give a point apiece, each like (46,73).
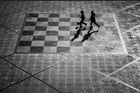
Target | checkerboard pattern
(52,33)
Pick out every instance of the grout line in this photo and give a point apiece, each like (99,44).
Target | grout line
(109,75)
(129,6)
(1,25)
(10,6)
(134,27)
(30,75)
(117,80)
(133,56)
(23,10)
(119,32)
(8,55)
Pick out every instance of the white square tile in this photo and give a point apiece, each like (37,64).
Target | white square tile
(29,28)
(53,19)
(26,38)
(52,28)
(75,19)
(50,49)
(42,24)
(44,15)
(51,38)
(63,43)
(64,15)
(38,43)
(42,33)
(64,23)
(64,33)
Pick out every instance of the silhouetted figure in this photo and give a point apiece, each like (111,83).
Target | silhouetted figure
(78,32)
(82,18)
(93,20)
(80,28)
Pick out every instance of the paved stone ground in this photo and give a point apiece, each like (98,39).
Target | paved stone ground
(70,73)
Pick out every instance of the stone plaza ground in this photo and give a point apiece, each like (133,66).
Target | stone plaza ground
(37,56)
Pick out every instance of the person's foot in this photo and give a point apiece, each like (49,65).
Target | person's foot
(76,27)
(95,32)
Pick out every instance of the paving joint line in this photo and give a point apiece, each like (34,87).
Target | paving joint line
(131,14)
(117,80)
(130,6)
(10,6)
(23,10)
(8,55)
(30,75)
(120,69)
(130,30)
(8,28)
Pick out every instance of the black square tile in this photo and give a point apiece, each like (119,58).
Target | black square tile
(25,43)
(42,19)
(64,38)
(64,19)
(38,37)
(50,43)
(36,49)
(63,49)
(53,15)
(27,32)
(52,23)
(49,33)
(33,15)
(40,28)
(30,23)
(64,28)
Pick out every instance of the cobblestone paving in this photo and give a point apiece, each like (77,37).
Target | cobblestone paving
(70,73)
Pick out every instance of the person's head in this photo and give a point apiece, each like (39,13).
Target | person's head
(92,12)
(82,12)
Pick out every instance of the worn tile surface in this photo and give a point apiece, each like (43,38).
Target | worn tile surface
(111,65)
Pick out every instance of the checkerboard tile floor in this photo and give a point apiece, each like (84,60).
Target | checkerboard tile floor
(29,69)
(52,33)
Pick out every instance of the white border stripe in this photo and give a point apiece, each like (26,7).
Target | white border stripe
(119,32)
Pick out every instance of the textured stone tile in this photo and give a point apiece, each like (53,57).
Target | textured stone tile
(9,74)
(13,21)
(21,5)
(132,42)
(130,75)
(109,63)
(3,30)
(6,10)
(133,10)
(71,76)
(33,63)
(127,21)
(119,5)
(111,86)
(30,85)
(8,43)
